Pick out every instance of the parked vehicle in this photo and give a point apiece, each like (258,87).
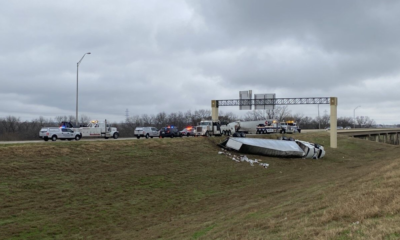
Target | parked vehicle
(146,132)
(94,129)
(59,133)
(347,128)
(188,131)
(339,128)
(169,131)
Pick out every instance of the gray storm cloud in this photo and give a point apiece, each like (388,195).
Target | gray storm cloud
(174,56)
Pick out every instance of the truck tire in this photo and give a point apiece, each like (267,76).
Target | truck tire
(172,135)
(147,136)
(77,137)
(282,131)
(54,138)
(116,135)
(46,139)
(138,137)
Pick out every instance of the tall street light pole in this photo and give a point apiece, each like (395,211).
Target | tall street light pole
(354,116)
(77,70)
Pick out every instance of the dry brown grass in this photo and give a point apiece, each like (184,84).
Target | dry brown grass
(182,189)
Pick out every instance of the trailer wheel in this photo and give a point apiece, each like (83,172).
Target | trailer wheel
(116,135)
(54,138)
(147,136)
(46,139)
(77,137)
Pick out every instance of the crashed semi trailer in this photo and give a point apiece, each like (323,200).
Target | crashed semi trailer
(275,148)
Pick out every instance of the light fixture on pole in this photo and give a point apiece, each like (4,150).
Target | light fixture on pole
(354,116)
(77,70)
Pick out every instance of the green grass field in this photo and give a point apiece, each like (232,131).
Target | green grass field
(182,189)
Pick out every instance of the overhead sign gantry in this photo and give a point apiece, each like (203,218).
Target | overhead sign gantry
(215,104)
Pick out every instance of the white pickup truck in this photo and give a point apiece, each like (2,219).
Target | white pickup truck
(55,133)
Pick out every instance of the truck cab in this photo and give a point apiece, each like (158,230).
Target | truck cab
(209,128)
(289,127)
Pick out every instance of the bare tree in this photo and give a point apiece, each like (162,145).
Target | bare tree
(364,121)
(254,115)
(83,120)
(298,117)
(281,113)
(161,119)
(148,120)
(345,121)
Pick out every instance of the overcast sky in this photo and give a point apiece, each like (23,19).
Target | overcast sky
(176,55)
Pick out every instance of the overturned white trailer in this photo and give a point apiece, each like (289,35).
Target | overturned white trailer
(275,148)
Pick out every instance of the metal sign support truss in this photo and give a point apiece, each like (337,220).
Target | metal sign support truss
(273,101)
(284,101)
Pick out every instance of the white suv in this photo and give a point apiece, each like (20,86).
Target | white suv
(59,133)
(146,132)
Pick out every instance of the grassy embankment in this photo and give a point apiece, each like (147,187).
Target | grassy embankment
(182,189)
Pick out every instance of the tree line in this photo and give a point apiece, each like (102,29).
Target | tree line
(13,129)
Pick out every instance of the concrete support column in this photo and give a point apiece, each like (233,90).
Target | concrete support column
(214,110)
(377,138)
(333,120)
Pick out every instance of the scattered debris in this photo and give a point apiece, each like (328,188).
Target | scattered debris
(244,158)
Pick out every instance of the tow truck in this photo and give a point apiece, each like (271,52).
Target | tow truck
(275,127)
(94,129)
